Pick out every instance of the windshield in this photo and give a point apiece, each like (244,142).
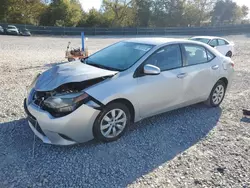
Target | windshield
(119,56)
(204,40)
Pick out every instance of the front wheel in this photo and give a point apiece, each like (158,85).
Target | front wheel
(112,122)
(217,94)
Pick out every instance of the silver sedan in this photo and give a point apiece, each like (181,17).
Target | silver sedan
(102,95)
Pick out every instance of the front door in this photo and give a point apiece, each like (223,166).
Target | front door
(158,93)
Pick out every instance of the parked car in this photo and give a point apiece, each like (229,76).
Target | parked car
(100,96)
(1,30)
(222,45)
(11,30)
(25,32)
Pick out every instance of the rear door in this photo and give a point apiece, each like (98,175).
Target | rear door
(199,69)
(159,93)
(223,46)
(215,43)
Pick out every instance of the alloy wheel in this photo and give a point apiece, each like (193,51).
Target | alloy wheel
(218,94)
(113,123)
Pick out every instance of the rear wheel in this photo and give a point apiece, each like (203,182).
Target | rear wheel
(229,54)
(112,122)
(217,94)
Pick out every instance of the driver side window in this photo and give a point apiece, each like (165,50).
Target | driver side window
(166,58)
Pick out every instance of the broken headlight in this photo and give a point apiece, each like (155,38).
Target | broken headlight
(66,103)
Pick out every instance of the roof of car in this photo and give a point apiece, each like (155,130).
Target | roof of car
(155,41)
(207,37)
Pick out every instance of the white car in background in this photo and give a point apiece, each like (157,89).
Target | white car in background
(11,30)
(222,45)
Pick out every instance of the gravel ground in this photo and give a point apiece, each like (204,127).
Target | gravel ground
(190,147)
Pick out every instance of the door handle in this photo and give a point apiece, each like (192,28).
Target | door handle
(215,67)
(182,75)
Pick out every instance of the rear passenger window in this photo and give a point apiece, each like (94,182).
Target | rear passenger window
(195,54)
(222,42)
(166,58)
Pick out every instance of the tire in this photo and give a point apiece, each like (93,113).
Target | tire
(229,54)
(104,130)
(218,92)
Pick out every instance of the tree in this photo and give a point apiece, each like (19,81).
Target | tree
(159,16)
(191,15)
(3,10)
(75,13)
(200,10)
(244,10)
(66,12)
(141,12)
(228,11)
(22,11)
(94,18)
(123,13)
(168,13)
(117,8)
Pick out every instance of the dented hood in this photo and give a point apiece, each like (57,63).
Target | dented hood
(75,71)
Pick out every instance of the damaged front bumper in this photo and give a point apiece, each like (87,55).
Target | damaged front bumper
(73,128)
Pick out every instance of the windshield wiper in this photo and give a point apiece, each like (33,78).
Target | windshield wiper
(83,60)
(101,66)
(86,61)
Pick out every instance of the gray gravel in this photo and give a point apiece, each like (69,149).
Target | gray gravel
(190,147)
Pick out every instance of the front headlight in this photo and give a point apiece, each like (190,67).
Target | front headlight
(66,103)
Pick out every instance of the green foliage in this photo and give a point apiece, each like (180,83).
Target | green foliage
(117,11)
(3,9)
(123,13)
(62,13)
(141,12)
(227,11)
(21,11)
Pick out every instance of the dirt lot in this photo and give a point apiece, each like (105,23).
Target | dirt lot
(190,147)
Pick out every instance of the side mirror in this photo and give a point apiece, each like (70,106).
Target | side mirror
(151,70)
(212,45)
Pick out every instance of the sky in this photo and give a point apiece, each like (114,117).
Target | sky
(88,4)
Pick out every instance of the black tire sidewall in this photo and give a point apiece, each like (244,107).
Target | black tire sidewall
(211,94)
(229,54)
(96,128)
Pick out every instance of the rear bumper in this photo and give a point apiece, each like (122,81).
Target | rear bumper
(71,129)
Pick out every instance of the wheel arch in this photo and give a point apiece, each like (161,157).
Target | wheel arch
(225,80)
(128,104)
